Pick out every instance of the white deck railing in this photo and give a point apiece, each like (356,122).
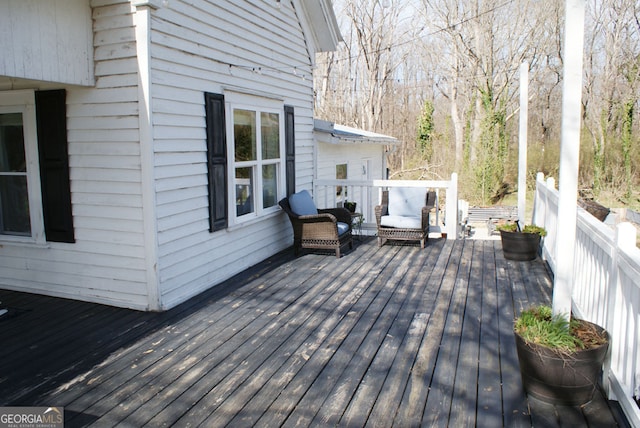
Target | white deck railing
(606,289)
(366,194)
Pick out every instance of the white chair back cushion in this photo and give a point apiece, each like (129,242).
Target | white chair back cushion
(301,203)
(406,201)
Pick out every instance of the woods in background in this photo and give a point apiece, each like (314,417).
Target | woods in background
(442,77)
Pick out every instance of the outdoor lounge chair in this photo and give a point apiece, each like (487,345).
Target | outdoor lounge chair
(403,215)
(326,229)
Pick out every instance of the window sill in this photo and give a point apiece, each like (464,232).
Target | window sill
(8,242)
(246,223)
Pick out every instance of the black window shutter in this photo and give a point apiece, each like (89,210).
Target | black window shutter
(216,161)
(290,143)
(51,117)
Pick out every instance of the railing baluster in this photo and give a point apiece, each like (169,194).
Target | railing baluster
(606,289)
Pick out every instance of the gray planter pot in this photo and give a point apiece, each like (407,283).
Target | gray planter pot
(520,246)
(557,378)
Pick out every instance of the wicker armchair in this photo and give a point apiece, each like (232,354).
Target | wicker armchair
(406,223)
(327,229)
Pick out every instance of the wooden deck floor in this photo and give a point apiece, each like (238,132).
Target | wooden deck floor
(391,336)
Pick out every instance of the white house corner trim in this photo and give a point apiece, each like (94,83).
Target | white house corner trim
(142,19)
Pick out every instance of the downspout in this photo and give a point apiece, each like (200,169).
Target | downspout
(142,22)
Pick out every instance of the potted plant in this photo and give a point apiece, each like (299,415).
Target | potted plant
(560,359)
(520,244)
(350,206)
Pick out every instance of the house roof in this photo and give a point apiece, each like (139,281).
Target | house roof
(322,24)
(329,132)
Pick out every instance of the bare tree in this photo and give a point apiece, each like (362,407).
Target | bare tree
(369,60)
(482,45)
(611,78)
(463,57)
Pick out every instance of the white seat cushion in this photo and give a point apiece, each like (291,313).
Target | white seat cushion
(401,221)
(406,201)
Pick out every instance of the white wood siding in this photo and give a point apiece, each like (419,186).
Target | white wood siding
(355,156)
(192,46)
(206,46)
(46,40)
(107,262)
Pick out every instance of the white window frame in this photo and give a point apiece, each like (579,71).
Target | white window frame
(237,101)
(24,102)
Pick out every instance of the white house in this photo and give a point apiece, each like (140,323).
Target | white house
(362,154)
(346,153)
(144,144)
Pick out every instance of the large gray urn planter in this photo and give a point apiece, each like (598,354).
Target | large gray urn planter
(560,378)
(520,246)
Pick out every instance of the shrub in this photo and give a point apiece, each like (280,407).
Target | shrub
(530,228)
(538,325)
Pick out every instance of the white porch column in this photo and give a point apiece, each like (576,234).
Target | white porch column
(522,145)
(569,155)
(451,208)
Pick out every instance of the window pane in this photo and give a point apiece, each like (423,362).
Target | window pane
(270,128)
(341,174)
(270,185)
(14,196)
(14,206)
(244,132)
(244,191)
(12,157)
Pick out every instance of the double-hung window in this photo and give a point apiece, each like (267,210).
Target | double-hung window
(256,154)
(20,203)
(250,156)
(35,193)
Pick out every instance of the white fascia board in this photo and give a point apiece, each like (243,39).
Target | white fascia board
(340,134)
(366,134)
(320,23)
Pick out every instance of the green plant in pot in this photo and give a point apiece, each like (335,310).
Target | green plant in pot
(560,359)
(520,244)
(350,206)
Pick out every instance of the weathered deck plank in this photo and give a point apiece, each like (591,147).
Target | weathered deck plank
(380,379)
(308,339)
(359,280)
(514,403)
(489,376)
(161,361)
(463,406)
(320,369)
(416,391)
(380,337)
(440,391)
(357,354)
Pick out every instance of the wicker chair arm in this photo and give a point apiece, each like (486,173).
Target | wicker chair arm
(380,210)
(341,214)
(425,217)
(319,218)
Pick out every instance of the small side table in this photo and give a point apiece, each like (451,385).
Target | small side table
(356,224)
